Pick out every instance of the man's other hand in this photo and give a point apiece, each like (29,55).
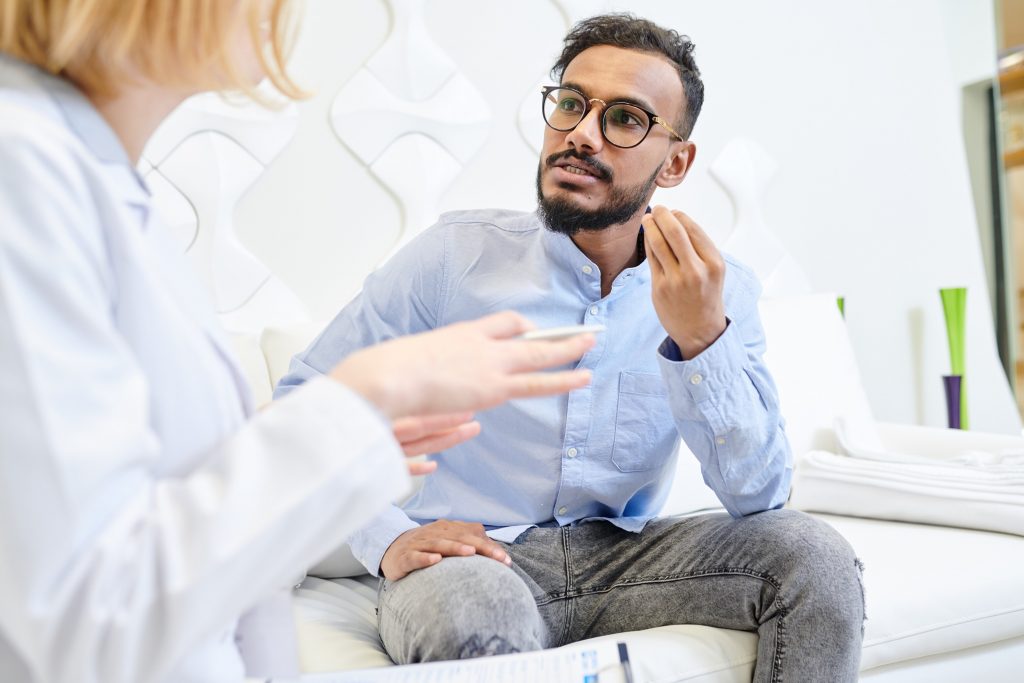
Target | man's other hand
(687,279)
(426,545)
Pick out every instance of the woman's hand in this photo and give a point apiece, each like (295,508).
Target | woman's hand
(430,434)
(466,366)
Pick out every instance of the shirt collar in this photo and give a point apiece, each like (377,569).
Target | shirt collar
(564,252)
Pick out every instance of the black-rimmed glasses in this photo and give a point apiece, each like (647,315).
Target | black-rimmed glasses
(623,124)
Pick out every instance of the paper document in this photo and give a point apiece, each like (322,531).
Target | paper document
(602,662)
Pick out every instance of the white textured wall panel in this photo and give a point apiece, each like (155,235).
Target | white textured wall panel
(829,155)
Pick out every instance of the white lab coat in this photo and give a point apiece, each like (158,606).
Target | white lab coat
(143,508)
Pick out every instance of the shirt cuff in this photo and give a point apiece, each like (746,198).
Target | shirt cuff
(371,542)
(712,372)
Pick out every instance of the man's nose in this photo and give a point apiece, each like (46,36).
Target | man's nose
(586,136)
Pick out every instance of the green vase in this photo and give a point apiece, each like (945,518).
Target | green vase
(954,307)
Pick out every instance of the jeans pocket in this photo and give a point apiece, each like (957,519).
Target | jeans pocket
(642,422)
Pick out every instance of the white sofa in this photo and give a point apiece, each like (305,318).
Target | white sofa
(943,603)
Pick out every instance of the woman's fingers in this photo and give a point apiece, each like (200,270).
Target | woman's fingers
(466,366)
(545,383)
(441,440)
(418,468)
(408,429)
(530,356)
(503,325)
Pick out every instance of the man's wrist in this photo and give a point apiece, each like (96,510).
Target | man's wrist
(693,344)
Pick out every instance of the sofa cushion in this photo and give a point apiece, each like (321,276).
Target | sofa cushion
(930,590)
(933,589)
(251,358)
(281,342)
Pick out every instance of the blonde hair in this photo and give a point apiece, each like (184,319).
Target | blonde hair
(98,44)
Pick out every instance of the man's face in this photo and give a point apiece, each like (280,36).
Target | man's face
(615,183)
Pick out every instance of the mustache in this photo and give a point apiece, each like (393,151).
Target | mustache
(600,170)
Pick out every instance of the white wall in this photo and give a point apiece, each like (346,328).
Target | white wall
(858,104)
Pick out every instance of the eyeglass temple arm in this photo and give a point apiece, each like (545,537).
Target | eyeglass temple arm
(669,128)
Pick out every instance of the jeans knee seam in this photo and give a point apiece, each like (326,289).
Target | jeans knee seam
(668,578)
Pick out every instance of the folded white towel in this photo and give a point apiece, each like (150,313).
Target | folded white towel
(950,494)
(1002,454)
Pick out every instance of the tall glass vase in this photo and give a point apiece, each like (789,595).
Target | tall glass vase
(954,307)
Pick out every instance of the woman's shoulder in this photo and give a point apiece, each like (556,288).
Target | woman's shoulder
(37,146)
(36,136)
(50,186)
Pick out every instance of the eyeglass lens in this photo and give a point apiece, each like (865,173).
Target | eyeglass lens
(624,125)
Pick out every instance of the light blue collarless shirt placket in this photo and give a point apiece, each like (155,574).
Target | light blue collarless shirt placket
(570,504)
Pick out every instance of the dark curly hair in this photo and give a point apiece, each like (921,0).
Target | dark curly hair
(632,33)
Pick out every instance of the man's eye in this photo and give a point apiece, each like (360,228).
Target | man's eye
(569,104)
(623,117)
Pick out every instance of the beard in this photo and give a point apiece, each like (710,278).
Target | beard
(563,215)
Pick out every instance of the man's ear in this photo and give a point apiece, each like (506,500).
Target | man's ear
(677,164)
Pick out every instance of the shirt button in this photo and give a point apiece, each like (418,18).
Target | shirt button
(587,270)
(572,452)
(720,440)
(562,510)
(594,310)
(696,379)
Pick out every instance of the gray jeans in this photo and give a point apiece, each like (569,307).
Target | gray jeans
(790,577)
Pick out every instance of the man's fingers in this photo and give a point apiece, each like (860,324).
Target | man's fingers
(464,546)
(676,236)
(483,545)
(657,269)
(447,547)
(701,241)
(442,440)
(658,250)
(414,559)
(409,429)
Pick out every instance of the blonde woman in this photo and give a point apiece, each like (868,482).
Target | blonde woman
(150,523)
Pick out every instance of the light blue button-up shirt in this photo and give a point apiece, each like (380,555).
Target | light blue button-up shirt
(607,451)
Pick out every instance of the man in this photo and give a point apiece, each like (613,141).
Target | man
(553,539)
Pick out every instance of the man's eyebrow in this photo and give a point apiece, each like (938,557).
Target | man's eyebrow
(628,100)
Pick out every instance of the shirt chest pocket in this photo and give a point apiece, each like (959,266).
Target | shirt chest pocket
(642,422)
